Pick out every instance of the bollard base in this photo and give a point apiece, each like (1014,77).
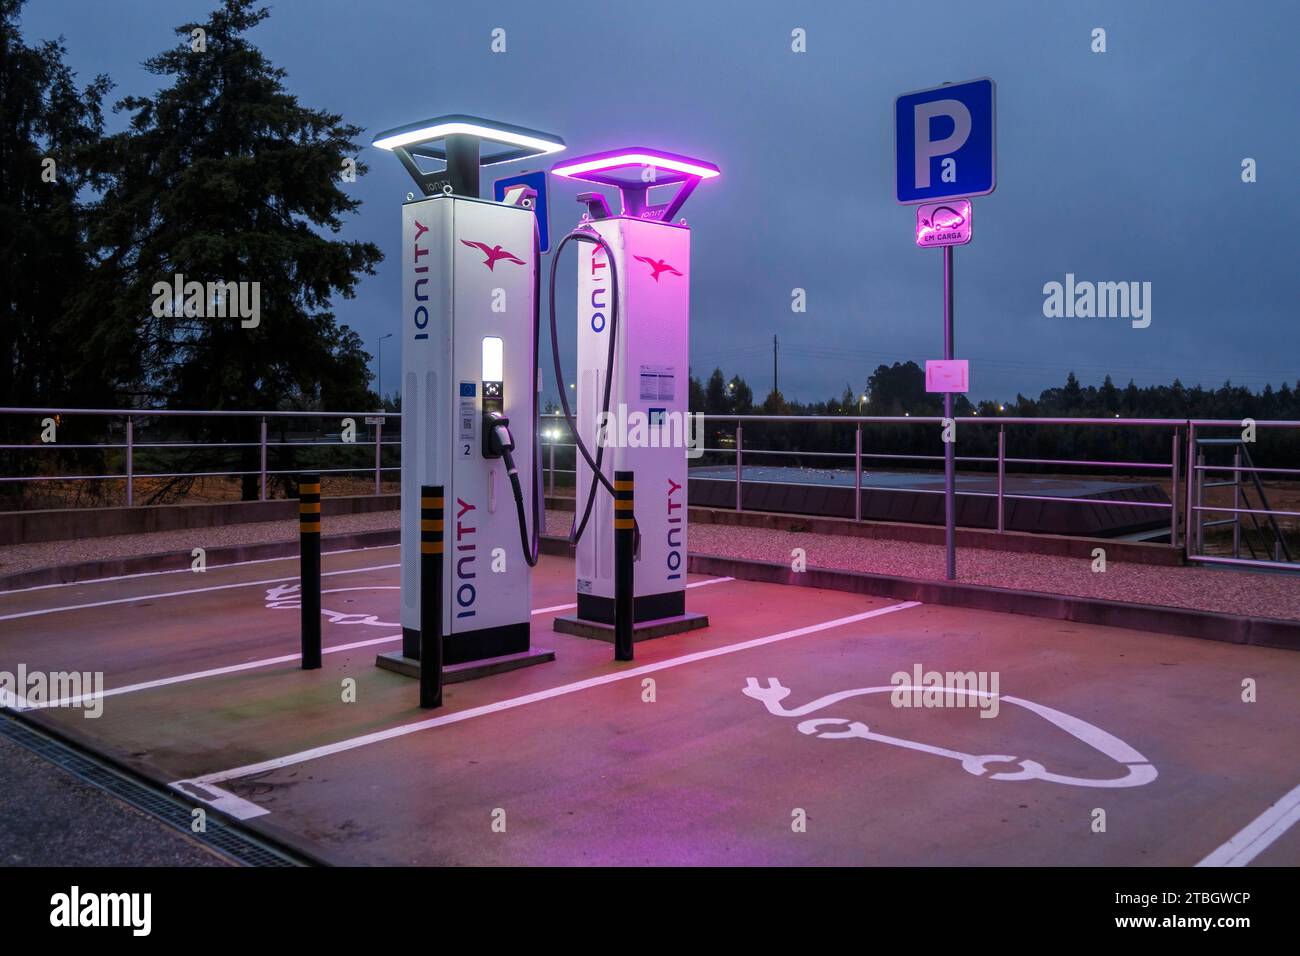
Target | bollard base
(396,662)
(641,631)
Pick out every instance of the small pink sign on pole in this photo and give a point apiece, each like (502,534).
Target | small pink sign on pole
(943,223)
(947,375)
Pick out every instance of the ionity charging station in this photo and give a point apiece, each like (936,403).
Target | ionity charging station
(469,388)
(632,382)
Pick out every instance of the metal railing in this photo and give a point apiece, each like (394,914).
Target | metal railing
(130,447)
(1183,468)
(1272,534)
(1176,468)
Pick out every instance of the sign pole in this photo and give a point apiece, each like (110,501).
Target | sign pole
(965,148)
(949,447)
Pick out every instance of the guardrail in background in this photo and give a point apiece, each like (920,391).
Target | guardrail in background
(264,444)
(1186,465)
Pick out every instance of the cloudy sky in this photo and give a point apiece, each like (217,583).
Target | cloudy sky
(1122,165)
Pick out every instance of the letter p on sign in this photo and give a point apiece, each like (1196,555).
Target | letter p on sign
(948,128)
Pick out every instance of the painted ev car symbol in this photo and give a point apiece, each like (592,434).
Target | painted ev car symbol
(290,596)
(1138,771)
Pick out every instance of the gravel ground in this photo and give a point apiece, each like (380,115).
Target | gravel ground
(1210,589)
(50,818)
(1249,593)
(24,557)
(1230,591)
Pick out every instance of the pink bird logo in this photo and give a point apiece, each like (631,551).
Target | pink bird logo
(658,266)
(494,254)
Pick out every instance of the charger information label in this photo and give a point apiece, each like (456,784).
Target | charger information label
(658,383)
(468,416)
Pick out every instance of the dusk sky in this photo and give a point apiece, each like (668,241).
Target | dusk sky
(1117,166)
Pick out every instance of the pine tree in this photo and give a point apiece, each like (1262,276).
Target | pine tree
(48,131)
(223,176)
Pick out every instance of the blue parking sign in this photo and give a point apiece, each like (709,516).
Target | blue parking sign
(945,142)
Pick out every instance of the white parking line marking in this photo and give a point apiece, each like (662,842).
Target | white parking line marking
(225,801)
(1259,834)
(700,584)
(21,703)
(168,594)
(572,688)
(212,672)
(570,607)
(211,568)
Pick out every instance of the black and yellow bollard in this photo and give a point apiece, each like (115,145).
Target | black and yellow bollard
(309,568)
(624,543)
(431,505)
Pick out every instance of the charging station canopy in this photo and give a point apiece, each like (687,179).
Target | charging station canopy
(634,171)
(457,141)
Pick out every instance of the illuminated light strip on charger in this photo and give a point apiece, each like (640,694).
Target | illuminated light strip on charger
(614,160)
(439,130)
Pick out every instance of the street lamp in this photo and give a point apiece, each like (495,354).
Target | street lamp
(379,351)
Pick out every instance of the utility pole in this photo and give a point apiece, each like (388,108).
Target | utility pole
(379,352)
(774,389)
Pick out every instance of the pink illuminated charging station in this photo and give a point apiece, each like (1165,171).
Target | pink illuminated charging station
(632,383)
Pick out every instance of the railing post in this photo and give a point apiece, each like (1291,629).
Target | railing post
(1175,465)
(857,474)
(1236,502)
(1200,502)
(740,454)
(379,449)
(262,467)
(1190,480)
(1002,478)
(130,461)
(550,471)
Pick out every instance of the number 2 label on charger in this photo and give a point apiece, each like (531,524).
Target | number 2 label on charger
(468,418)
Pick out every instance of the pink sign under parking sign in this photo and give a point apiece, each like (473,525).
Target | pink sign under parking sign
(947,375)
(943,223)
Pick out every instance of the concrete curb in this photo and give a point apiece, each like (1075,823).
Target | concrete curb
(180,560)
(1183,622)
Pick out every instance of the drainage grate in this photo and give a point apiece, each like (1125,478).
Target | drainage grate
(229,841)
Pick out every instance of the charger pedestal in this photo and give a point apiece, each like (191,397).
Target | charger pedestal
(399,663)
(641,630)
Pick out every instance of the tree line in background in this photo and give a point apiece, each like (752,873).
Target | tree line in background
(898,390)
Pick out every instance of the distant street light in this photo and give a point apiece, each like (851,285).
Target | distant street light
(379,350)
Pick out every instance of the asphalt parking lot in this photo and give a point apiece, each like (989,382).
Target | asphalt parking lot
(773,736)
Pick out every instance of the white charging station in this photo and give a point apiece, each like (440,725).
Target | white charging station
(646,427)
(469,383)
